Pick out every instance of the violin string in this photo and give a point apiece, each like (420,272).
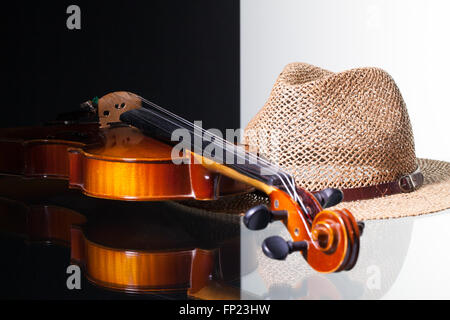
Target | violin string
(216,138)
(285,178)
(274,170)
(287,185)
(290,186)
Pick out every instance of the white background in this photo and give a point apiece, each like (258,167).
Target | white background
(407,38)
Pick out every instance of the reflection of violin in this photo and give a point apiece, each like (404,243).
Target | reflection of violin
(38,223)
(136,252)
(328,240)
(140,252)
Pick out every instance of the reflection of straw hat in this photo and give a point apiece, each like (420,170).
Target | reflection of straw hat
(347,130)
(371,278)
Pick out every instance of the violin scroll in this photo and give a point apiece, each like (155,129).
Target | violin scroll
(327,239)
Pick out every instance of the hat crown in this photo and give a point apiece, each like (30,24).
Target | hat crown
(344,130)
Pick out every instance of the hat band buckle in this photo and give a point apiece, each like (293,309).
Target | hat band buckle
(408,183)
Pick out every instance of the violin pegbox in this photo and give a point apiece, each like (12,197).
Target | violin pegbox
(112,105)
(327,239)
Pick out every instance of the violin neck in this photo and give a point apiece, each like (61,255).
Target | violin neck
(159,123)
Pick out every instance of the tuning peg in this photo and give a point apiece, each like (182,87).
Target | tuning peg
(361,227)
(329,197)
(277,248)
(257,218)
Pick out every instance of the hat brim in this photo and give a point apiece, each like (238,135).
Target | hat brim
(432,197)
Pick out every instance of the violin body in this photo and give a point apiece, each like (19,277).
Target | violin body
(127,165)
(41,152)
(108,160)
(108,163)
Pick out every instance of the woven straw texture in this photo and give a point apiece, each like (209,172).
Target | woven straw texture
(433,196)
(344,130)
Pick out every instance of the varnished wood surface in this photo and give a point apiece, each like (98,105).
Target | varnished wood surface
(42,151)
(133,270)
(109,161)
(139,252)
(44,223)
(128,165)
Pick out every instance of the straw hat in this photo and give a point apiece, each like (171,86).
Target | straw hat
(348,130)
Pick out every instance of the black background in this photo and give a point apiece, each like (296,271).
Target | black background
(183,55)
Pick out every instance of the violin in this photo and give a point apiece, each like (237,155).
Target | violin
(127,165)
(135,161)
(105,157)
(328,239)
(137,252)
